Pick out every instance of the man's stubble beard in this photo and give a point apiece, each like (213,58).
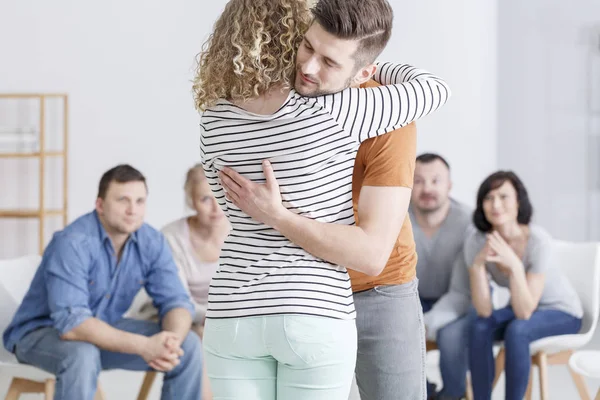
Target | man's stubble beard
(319,92)
(434,209)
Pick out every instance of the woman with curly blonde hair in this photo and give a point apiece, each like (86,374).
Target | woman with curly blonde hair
(261,38)
(280,322)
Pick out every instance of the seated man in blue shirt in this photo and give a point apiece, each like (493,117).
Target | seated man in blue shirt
(71,321)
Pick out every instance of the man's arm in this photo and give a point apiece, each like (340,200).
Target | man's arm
(382,207)
(160,351)
(67,277)
(365,248)
(180,262)
(164,286)
(99,333)
(178,321)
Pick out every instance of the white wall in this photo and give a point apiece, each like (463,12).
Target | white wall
(127,67)
(549,109)
(456,40)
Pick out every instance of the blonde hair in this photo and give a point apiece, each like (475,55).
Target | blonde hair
(194,176)
(252,48)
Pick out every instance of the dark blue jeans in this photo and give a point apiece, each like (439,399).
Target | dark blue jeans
(517,335)
(453,343)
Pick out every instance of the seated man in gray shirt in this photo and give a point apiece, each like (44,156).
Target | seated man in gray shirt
(439,225)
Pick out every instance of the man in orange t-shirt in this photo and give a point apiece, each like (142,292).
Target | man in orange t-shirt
(389,319)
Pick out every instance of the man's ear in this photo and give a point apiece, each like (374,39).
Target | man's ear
(364,74)
(99,206)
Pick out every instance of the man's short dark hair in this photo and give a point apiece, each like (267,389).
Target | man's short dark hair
(122,173)
(494,181)
(427,158)
(368,21)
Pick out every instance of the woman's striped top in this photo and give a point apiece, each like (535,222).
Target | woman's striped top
(311,144)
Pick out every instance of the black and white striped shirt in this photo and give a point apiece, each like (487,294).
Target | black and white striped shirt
(311,144)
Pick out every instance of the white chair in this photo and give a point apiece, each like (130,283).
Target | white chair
(581,264)
(586,363)
(15,278)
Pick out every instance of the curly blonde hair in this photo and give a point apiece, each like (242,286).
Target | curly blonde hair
(252,48)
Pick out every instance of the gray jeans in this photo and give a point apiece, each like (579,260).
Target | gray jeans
(391,343)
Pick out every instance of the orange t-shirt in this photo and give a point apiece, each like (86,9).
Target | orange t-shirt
(388,160)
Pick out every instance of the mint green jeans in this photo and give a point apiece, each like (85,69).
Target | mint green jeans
(285,357)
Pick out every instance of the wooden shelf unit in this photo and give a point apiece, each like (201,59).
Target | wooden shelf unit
(42,212)
(31,154)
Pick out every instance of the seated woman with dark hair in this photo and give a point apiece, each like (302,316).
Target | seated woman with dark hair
(505,247)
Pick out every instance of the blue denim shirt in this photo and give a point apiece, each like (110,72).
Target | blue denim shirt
(79,278)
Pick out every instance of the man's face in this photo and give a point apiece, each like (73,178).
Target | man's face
(431,187)
(325,64)
(123,208)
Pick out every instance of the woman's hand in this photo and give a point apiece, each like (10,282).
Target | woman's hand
(261,201)
(502,254)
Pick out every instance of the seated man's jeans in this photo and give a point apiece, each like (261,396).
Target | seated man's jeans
(517,335)
(78,364)
(453,343)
